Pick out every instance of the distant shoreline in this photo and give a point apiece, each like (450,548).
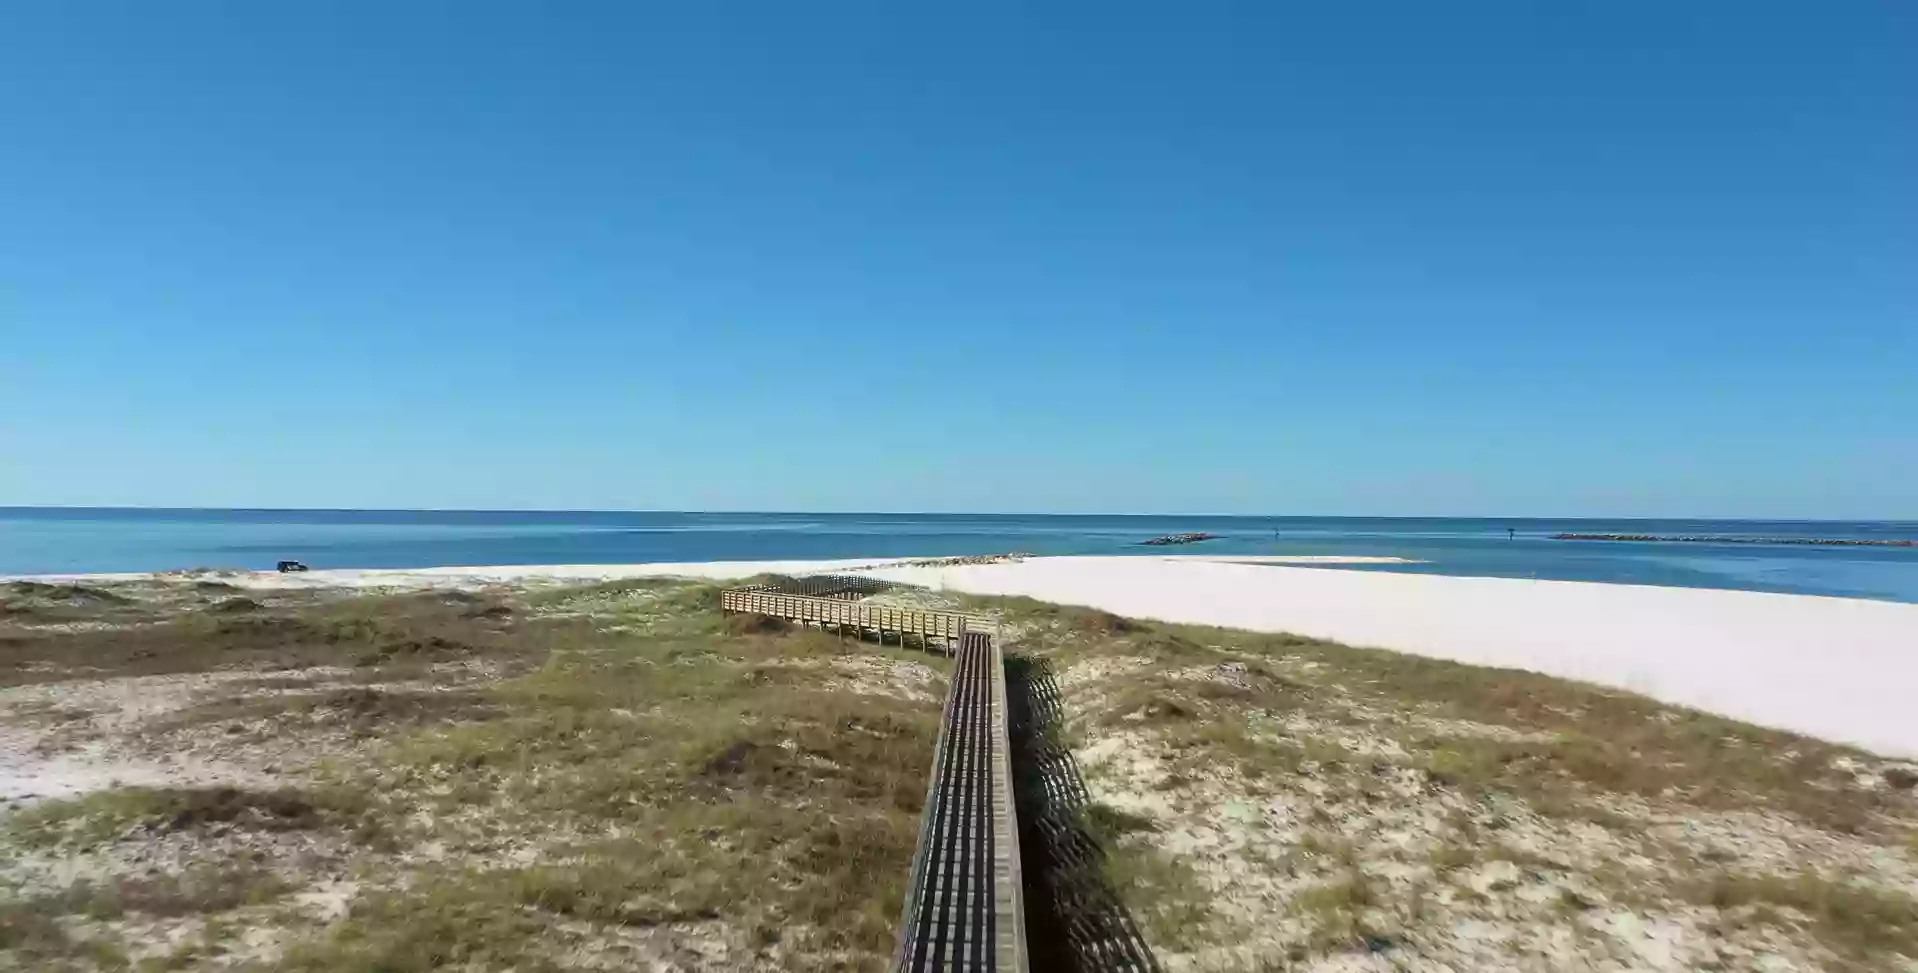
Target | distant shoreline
(456,575)
(135,541)
(1735,539)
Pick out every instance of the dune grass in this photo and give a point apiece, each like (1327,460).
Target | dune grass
(78,824)
(675,769)
(616,771)
(1251,719)
(634,774)
(1861,923)
(1578,738)
(371,632)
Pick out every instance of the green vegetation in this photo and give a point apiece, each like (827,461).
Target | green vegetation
(78,594)
(35,936)
(40,931)
(1858,922)
(617,592)
(1337,910)
(103,816)
(199,890)
(378,632)
(1164,893)
(736,780)
(1453,855)
(708,871)
(362,710)
(448,922)
(589,765)
(39,603)
(1106,824)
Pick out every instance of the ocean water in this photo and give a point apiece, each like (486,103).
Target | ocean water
(45,540)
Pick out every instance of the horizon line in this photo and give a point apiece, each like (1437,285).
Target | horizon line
(937,513)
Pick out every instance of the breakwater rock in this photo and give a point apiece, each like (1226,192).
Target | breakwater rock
(1179,539)
(952,562)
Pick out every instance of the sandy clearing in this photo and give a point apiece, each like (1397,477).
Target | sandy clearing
(25,777)
(108,707)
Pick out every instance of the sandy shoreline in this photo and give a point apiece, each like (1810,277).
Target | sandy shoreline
(473,576)
(1837,668)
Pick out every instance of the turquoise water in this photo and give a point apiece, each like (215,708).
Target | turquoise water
(41,540)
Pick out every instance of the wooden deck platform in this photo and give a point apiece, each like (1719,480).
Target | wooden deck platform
(934,630)
(845,587)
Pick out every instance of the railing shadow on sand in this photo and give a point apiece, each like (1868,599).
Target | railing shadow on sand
(1075,923)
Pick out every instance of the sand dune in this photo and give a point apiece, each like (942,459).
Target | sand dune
(1838,668)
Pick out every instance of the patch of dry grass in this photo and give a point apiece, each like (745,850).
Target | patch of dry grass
(1164,893)
(614,589)
(35,935)
(1612,741)
(200,890)
(1862,923)
(1338,911)
(72,594)
(730,788)
(364,711)
(373,631)
(647,778)
(1588,739)
(36,603)
(1387,748)
(80,823)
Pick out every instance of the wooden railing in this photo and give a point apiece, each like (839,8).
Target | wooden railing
(845,587)
(880,620)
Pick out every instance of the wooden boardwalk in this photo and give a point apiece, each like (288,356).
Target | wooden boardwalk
(965,910)
(845,587)
(934,630)
(964,902)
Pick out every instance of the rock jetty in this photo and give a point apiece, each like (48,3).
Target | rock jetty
(1733,539)
(1179,539)
(953,562)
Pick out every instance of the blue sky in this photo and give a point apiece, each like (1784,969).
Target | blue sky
(1491,258)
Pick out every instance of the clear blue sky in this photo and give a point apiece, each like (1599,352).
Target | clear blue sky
(1633,258)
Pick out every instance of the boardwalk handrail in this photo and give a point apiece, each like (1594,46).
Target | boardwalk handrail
(807,609)
(848,587)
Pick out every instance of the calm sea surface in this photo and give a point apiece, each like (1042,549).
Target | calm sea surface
(40,540)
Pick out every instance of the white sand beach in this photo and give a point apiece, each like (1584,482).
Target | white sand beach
(1838,668)
(1843,669)
(476,576)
